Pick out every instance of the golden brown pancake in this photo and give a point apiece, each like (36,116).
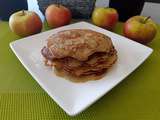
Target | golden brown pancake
(78,43)
(80,52)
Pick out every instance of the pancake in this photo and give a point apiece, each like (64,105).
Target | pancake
(78,44)
(80,52)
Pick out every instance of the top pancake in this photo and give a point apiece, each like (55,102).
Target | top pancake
(78,44)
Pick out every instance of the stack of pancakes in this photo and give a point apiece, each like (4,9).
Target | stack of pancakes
(80,52)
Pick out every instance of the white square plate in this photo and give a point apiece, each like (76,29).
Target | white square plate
(75,97)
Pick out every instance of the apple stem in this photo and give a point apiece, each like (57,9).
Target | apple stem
(146,19)
(23,12)
(58,5)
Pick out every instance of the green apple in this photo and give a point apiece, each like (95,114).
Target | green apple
(25,23)
(141,29)
(105,17)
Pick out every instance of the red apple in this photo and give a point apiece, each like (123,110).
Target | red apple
(141,29)
(105,17)
(25,23)
(57,15)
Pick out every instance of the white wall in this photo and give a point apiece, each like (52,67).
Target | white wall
(153,10)
(102,3)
